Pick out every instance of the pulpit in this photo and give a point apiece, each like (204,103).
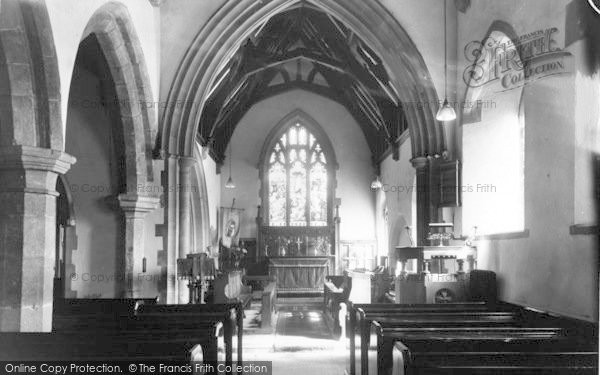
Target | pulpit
(300,274)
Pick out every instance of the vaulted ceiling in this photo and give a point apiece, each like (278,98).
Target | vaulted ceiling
(304,48)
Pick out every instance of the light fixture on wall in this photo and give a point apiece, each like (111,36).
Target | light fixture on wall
(229,184)
(446,112)
(376,184)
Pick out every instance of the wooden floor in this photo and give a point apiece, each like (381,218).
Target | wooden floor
(300,344)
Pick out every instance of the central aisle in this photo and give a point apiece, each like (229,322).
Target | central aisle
(301,343)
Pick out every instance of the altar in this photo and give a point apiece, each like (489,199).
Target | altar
(300,274)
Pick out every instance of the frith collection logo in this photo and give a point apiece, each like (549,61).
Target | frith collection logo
(595,4)
(515,63)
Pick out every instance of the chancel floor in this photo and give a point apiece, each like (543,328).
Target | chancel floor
(300,343)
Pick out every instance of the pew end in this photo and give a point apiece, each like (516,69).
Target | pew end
(400,358)
(335,293)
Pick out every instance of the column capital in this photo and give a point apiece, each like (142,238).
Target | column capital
(186,161)
(36,158)
(420,162)
(156,3)
(32,169)
(137,204)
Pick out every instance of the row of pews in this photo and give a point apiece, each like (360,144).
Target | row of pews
(467,338)
(132,329)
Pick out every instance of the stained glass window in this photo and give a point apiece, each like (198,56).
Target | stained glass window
(297,180)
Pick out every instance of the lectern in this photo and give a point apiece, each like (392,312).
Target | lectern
(197,269)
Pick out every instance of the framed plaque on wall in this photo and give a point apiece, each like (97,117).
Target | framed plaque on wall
(450,184)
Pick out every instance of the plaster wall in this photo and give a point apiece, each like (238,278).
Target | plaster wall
(69,20)
(545,266)
(93,182)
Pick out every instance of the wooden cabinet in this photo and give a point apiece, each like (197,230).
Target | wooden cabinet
(450,184)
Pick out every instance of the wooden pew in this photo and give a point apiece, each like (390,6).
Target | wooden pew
(266,287)
(358,312)
(510,329)
(471,339)
(92,313)
(430,319)
(183,346)
(336,290)
(129,316)
(230,314)
(425,361)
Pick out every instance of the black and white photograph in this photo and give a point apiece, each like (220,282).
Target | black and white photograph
(299,187)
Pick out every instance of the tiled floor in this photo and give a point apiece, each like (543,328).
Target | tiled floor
(301,343)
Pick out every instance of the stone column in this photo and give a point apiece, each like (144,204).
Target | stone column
(135,207)
(28,235)
(185,212)
(337,221)
(425,209)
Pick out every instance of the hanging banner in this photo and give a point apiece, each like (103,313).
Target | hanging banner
(229,227)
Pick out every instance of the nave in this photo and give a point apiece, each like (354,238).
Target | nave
(481,336)
(367,187)
(301,343)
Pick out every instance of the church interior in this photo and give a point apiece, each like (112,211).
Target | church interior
(293,186)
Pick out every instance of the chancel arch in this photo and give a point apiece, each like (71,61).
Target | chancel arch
(384,59)
(234,24)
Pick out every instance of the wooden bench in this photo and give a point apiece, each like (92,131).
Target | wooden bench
(425,361)
(359,321)
(471,339)
(110,318)
(197,345)
(95,312)
(455,323)
(230,314)
(431,319)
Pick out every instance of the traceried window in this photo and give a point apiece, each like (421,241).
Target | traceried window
(297,180)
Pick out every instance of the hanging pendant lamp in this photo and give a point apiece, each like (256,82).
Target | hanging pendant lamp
(376,184)
(229,184)
(446,111)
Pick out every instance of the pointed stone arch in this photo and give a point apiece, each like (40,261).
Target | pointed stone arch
(29,78)
(112,26)
(234,22)
(31,159)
